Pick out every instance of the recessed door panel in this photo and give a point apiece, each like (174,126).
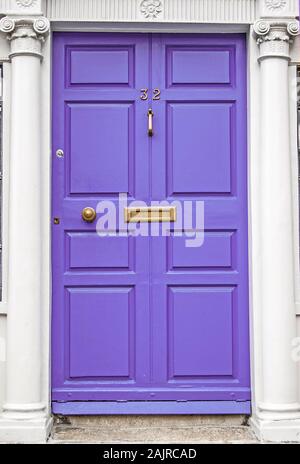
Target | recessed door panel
(102,332)
(200,332)
(199,146)
(215,253)
(101,65)
(101,147)
(107,254)
(199,65)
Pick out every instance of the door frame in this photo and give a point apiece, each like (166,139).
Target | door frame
(277,426)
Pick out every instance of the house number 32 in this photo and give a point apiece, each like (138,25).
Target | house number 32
(145,94)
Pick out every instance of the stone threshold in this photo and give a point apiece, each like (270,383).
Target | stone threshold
(152,429)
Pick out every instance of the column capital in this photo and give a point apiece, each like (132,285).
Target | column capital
(274,37)
(26,34)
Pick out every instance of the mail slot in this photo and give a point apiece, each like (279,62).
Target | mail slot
(151,214)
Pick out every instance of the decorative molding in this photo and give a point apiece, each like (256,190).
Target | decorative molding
(164,11)
(20,7)
(275,5)
(26,3)
(151,9)
(277,8)
(7,25)
(274,37)
(41,26)
(25,34)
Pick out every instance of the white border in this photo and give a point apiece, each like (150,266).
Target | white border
(254,127)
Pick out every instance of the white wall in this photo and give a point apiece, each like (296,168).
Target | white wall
(2,357)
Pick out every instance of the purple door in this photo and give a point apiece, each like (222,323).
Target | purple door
(146,324)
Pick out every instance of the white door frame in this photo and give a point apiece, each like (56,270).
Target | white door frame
(273,220)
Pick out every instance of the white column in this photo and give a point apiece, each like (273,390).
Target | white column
(25,412)
(278,411)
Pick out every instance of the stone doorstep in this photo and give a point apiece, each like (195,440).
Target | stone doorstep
(152,429)
(151,421)
(155,435)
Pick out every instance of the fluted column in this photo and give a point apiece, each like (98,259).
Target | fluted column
(24,406)
(280,393)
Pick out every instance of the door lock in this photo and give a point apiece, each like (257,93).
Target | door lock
(60,153)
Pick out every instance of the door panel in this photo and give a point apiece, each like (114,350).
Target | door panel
(200,332)
(199,152)
(100,285)
(103,160)
(198,158)
(102,332)
(109,253)
(101,64)
(214,254)
(148,318)
(197,64)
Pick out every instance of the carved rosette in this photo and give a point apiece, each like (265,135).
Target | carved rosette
(151,9)
(26,3)
(275,5)
(274,38)
(25,34)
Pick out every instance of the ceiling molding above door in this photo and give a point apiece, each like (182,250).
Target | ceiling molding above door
(153,11)
(165,11)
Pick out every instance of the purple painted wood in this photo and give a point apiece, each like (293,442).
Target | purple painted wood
(90,408)
(147,319)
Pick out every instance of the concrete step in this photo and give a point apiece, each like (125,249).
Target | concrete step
(152,429)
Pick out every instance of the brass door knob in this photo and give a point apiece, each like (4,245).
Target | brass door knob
(88,214)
